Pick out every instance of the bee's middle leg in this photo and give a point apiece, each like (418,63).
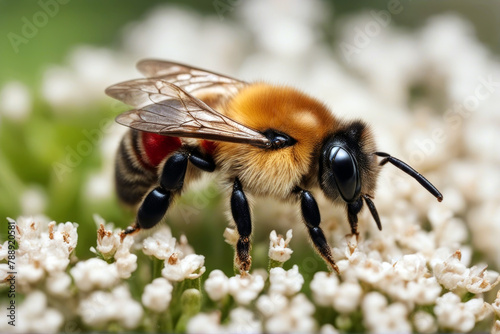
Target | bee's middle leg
(241,215)
(312,219)
(157,201)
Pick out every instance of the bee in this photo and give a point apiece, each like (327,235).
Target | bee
(265,140)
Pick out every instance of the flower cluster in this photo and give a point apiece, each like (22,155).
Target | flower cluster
(419,91)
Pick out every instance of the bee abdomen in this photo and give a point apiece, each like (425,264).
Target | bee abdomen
(133,176)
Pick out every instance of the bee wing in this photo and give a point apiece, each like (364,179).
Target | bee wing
(164,108)
(191,79)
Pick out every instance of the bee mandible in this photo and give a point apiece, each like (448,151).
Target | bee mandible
(265,140)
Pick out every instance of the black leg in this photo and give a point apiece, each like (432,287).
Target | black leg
(156,203)
(352,215)
(312,219)
(241,216)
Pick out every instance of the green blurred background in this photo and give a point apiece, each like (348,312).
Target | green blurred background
(28,149)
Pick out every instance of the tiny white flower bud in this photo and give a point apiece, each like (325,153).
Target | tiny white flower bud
(157,295)
(217,285)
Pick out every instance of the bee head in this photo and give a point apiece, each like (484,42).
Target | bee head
(348,167)
(349,170)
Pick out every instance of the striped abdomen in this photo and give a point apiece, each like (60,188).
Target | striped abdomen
(137,160)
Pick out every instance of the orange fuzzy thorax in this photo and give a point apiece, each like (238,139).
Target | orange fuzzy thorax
(261,106)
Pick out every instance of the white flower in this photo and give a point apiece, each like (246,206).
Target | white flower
(231,236)
(285,282)
(278,247)
(324,286)
(297,317)
(411,267)
(4,250)
(424,322)
(157,295)
(190,267)
(457,316)
(107,241)
(347,297)
(496,327)
(480,280)
(242,320)
(450,272)
(126,262)
(424,291)
(101,308)
(205,323)
(496,304)
(382,318)
(58,284)
(217,285)
(15,101)
(160,245)
(328,329)
(94,274)
(35,316)
(245,288)
(183,248)
(272,304)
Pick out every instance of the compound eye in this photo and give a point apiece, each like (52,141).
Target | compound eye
(344,168)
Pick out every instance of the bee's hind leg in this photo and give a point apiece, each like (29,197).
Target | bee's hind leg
(312,219)
(157,201)
(241,215)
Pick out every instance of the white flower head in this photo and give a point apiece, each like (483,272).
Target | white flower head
(4,250)
(242,320)
(297,317)
(278,247)
(411,267)
(205,323)
(101,308)
(347,297)
(286,282)
(324,287)
(449,272)
(217,285)
(496,305)
(157,295)
(36,316)
(231,236)
(245,288)
(424,322)
(94,274)
(126,262)
(452,314)
(496,327)
(272,304)
(382,318)
(479,280)
(107,242)
(161,244)
(58,284)
(190,267)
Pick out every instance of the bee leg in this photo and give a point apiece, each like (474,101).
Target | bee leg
(156,203)
(312,219)
(241,216)
(352,215)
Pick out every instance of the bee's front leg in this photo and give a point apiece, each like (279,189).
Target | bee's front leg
(241,215)
(156,203)
(312,219)
(352,215)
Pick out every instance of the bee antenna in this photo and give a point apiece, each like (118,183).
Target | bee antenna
(410,171)
(373,211)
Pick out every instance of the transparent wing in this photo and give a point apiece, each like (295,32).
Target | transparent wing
(191,79)
(164,108)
